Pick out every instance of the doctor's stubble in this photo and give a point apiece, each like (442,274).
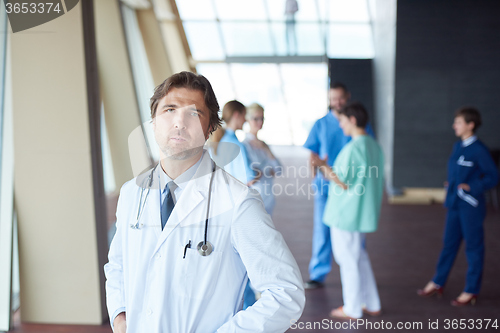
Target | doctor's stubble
(180,151)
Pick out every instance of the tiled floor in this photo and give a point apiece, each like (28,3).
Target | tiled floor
(403,253)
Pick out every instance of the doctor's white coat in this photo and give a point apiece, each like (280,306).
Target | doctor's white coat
(161,291)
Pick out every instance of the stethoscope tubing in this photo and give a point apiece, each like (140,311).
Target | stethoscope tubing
(142,205)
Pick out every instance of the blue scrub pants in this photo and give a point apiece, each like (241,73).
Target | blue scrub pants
(463,222)
(321,259)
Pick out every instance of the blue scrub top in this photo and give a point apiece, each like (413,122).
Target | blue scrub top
(240,167)
(327,138)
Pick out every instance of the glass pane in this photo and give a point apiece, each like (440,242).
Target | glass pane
(261,83)
(107,162)
(9,275)
(196,9)
(308,10)
(240,9)
(298,38)
(310,39)
(247,39)
(218,75)
(204,40)
(305,87)
(323,7)
(257,82)
(350,41)
(16,282)
(348,11)
(276,9)
(141,71)
(280,39)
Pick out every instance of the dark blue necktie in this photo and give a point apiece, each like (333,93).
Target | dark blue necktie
(168,203)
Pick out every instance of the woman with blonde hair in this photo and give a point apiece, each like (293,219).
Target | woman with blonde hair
(261,157)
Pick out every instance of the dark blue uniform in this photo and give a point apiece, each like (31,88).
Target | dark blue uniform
(470,163)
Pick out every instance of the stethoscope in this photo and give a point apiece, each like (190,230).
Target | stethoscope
(204,247)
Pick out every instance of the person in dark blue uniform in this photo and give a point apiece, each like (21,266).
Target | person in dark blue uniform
(471,171)
(325,140)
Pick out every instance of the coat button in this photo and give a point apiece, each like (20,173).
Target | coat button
(157,256)
(149,312)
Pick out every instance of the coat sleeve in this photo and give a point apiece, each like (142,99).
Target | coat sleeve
(489,173)
(271,268)
(115,290)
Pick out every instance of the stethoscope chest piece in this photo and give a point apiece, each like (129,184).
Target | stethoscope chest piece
(205,249)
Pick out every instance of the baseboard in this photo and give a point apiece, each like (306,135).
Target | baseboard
(419,196)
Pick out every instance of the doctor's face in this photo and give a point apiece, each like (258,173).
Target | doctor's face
(338,97)
(181,123)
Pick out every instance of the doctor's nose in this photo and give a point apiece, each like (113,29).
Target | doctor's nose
(180,120)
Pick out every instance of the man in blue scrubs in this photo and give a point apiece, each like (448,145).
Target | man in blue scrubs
(326,139)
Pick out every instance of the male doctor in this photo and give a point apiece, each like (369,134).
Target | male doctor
(170,272)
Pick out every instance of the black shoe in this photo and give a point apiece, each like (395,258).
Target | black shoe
(313,284)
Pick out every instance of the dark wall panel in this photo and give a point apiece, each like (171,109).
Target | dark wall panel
(357,75)
(447,56)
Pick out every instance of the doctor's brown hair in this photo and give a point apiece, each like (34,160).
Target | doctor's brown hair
(190,81)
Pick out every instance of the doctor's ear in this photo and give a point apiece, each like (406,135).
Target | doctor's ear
(353,120)
(209,131)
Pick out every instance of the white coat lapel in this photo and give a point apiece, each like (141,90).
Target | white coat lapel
(187,205)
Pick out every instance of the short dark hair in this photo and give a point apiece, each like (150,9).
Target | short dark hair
(230,108)
(358,111)
(470,114)
(339,85)
(191,81)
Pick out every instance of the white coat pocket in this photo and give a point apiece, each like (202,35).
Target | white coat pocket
(199,274)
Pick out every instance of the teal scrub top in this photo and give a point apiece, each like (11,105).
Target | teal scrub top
(359,165)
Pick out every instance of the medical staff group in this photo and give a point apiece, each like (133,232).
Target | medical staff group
(195,248)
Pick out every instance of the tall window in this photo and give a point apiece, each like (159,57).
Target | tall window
(252,51)
(8,271)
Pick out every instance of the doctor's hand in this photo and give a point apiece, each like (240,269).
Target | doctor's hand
(464,187)
(314,168)
(120,323)
(317,161)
